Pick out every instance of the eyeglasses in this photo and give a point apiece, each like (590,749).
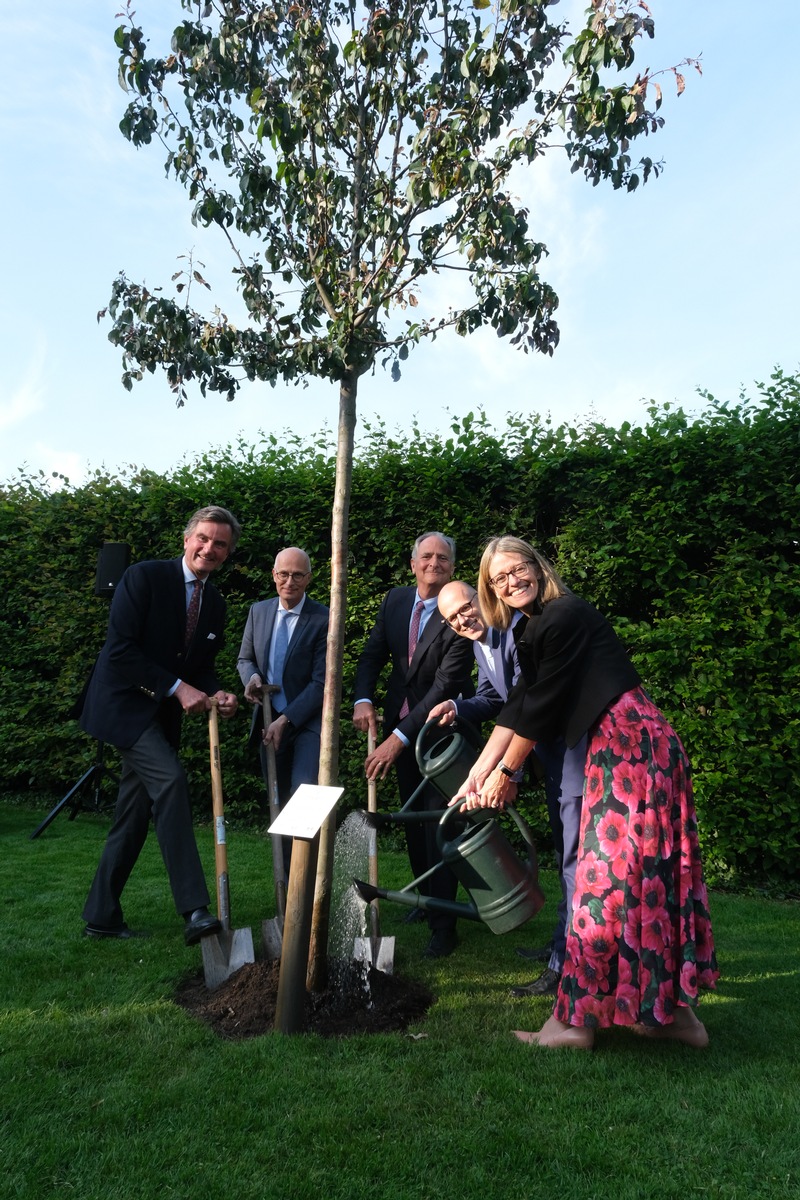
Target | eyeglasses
(522,570)
(461,613)
(295,576)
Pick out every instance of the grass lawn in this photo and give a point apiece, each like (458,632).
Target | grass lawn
(110,1091)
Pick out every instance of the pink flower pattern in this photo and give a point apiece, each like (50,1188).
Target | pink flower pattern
(639,942)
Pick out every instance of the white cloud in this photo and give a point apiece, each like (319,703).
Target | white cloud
(25,400)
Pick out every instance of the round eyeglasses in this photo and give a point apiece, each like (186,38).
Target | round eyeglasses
(295,576)
(522,570)
(460,614)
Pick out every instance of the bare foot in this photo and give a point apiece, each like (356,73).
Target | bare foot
(685,1027)
(555,1034)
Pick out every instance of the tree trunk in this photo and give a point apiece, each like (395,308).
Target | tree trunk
(331,705)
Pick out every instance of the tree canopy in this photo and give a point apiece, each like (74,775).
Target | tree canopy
(348,151)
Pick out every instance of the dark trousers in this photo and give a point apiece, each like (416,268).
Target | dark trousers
(423,848)
(296,762)
(152,783)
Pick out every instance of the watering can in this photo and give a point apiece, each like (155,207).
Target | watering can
(444,757)
(503,889)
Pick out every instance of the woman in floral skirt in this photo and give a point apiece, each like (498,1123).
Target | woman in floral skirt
(639,942)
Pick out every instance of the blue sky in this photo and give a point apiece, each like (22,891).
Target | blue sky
(690,283)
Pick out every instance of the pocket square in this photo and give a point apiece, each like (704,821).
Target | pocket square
(211,637)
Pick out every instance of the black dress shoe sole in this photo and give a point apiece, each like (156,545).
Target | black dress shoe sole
(197,932)
(545,985)
(97,931)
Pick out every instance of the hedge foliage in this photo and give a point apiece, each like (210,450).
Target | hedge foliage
(683,531)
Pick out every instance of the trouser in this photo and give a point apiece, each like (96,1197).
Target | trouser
(152,783)
(421,842)
(296,762)
(565,772)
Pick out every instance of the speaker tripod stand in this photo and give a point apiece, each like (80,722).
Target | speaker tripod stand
(74,798)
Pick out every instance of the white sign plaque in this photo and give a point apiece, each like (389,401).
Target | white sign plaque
(303,815)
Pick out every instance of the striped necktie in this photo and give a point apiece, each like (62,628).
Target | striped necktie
(413,638)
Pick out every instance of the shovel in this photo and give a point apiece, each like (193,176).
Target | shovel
(375,950)
(225,952)
(272,929)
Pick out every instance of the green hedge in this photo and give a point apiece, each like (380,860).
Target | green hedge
(684,531)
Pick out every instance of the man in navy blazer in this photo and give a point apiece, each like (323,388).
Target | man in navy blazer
(165,629)
(297,708)
(440,667)
(563,768)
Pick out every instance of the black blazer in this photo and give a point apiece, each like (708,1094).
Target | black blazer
(572,666)
(440,669)
(143,654)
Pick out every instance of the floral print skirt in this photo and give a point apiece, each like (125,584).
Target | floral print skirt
(639,941)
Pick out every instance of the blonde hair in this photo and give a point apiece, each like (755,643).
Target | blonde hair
(495,611)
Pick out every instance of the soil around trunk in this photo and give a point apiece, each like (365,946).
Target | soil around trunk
(358,1000)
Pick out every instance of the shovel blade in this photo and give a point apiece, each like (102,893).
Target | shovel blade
(272,937)
(224,953)
(377,952)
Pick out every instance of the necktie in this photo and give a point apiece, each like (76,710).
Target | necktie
(281,647)
(192,613)
(413,638)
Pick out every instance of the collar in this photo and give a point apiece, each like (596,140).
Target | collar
(189,576)
(293,612)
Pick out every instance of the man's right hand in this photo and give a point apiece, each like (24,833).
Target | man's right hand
(253,689)
(190,700)
(446,712)
(364,718)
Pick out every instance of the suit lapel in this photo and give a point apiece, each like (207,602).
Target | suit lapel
(266,634)
(300,623)
(433,630)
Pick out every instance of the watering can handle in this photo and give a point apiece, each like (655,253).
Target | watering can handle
(459,722)
(520,822)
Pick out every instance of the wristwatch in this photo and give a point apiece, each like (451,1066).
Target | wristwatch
(506,770)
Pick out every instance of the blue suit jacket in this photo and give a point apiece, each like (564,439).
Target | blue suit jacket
(304,668)
(144,654)
(489,698)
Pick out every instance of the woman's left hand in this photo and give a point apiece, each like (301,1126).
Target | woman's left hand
(497,792)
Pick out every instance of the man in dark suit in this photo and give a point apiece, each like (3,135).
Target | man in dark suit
(299,669)
(429,664)
(165,629)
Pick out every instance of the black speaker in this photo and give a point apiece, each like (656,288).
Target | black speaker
(112,562)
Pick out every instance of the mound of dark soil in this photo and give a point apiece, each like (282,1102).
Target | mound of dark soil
(244,1006)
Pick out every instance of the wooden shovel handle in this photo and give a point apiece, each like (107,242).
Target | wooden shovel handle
(218,810)
(274,806)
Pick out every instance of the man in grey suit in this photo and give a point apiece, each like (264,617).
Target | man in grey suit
(498,670)
(284,643)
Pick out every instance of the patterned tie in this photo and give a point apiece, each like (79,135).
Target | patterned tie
(281,647)
(192,613)
(413,638)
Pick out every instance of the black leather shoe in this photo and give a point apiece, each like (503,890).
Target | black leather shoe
(442,943)
(539,954)
(200,924)
(545,985)
(115,931)
(413,917)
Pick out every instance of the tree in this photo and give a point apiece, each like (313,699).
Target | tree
(349,150)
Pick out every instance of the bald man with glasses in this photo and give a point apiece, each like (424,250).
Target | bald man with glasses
(284,644)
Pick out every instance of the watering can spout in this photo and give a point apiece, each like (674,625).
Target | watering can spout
(416,900)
